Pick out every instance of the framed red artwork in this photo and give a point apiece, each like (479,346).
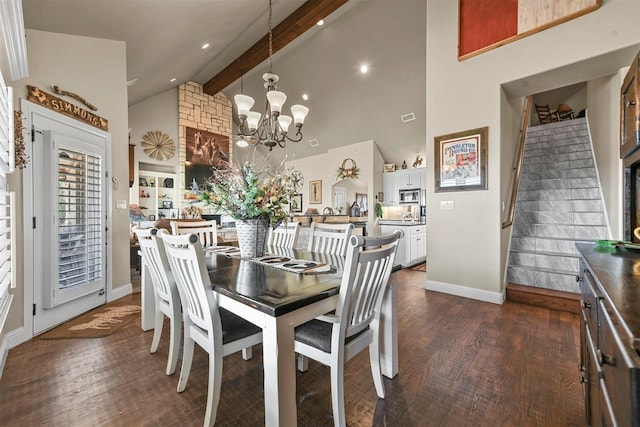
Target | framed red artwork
(486,24)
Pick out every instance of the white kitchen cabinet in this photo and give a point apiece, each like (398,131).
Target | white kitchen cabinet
(393,182)
(390,188)
(401,252)
(417,245)
(412,248)
(409,178)
(157,194)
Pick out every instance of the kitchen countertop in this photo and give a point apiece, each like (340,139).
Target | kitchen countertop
(399,222)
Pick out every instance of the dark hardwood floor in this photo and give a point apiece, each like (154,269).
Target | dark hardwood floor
(462,363)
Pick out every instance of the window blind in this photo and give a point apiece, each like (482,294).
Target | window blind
(79,218)
(7,226)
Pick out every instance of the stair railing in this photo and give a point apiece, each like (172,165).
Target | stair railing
(526,112)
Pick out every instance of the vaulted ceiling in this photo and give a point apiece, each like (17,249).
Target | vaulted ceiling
(164,39)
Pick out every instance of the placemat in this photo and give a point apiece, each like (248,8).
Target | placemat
(292,265)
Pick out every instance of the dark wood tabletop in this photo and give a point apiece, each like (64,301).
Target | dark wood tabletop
(271,290)
(618,270)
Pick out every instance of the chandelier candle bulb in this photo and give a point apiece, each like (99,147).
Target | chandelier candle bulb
(284,122)
(299,113)
(252,120)
(244,103)
(276,100)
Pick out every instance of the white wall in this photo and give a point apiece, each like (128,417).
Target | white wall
(325,166)
(465,246)
(603,113)
(96,70)
(158,113)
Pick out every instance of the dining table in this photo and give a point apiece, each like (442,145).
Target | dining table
(278,298)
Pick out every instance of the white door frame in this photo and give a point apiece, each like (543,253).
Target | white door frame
(28,211)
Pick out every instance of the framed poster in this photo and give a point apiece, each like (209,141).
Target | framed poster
(488,24)
(205,151)
(296,203)
(461,160)
(315,192)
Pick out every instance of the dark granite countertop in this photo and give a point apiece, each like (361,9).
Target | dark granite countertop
(618,271)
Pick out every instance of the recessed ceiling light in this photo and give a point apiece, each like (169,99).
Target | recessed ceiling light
(364,69)
(321,22)
(314,142)
(132,82)
(172,80)
(206,45)
(305,96)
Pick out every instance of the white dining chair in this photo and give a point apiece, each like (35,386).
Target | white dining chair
(329,238)
(285,235)
(218,331)
(165,292)
(332,339)
(207,231)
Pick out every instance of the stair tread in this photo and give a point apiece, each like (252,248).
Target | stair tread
(553,154)
(551,253)
(545,270)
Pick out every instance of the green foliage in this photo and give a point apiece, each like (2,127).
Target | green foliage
(246,194)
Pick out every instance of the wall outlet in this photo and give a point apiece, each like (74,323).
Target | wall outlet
(121,204)
(446,204)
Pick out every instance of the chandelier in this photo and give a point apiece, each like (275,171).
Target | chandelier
(270,128)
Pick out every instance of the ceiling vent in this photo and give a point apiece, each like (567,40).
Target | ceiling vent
(314,142)
(408,117)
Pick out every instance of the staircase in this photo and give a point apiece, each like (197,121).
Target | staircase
(559,202)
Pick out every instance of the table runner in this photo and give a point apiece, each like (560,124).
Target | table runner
(289,264)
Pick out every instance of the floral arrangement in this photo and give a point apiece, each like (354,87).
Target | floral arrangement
(347,172)
(21,158)
(244,193)
(191,211)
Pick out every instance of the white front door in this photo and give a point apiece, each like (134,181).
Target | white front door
(69,206)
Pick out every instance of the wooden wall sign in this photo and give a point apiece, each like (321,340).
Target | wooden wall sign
(487,24)
(54,103)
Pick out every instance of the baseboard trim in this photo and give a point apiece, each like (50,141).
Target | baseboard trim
(4,352)
(121,291)
(9,341)
(466,292)
(548,298)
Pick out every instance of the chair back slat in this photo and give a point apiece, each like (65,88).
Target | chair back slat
(186,259)
(207,231)
(329,238)
(285,235)
(153,254)
(545,115)
(364,280)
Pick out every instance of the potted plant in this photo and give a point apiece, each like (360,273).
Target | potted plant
(255,199)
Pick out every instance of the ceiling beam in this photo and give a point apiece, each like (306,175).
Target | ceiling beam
(303,18)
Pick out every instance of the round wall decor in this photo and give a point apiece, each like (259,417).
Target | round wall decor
(158,145)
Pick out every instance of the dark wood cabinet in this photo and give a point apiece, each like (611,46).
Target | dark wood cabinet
(610,335)
(630,110)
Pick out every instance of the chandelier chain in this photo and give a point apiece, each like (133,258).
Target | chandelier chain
(270,37)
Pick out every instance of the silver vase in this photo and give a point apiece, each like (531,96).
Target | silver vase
(252,237)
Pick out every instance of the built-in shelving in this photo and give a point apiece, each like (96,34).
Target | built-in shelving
(157,194)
